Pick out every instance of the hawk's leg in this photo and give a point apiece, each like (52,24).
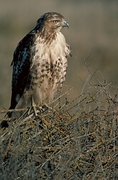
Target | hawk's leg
(33,106)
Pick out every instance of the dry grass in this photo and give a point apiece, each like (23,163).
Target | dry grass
(70,140)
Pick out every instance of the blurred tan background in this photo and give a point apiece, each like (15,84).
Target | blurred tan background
(93,30)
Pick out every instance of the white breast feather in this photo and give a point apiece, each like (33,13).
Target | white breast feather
(44,83)
(49,53)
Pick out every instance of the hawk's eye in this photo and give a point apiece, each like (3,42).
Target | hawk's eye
(55,21)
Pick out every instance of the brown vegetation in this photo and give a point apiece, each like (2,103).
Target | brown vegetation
(68,140)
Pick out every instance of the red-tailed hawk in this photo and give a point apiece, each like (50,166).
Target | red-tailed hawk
(40,62)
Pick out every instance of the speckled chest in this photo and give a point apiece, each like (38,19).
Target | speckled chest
(49,63)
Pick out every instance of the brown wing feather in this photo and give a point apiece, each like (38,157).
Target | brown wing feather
(21,65)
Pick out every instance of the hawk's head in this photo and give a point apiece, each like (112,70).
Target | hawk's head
(52,21)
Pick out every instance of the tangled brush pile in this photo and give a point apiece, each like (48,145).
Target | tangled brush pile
(69,140)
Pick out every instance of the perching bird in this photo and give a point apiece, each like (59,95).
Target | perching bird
(40,62)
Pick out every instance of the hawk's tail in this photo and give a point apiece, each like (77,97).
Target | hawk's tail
(4,123)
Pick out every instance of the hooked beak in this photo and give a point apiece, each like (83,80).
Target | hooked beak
(65,24)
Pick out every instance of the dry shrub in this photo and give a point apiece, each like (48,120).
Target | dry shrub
(67,141)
